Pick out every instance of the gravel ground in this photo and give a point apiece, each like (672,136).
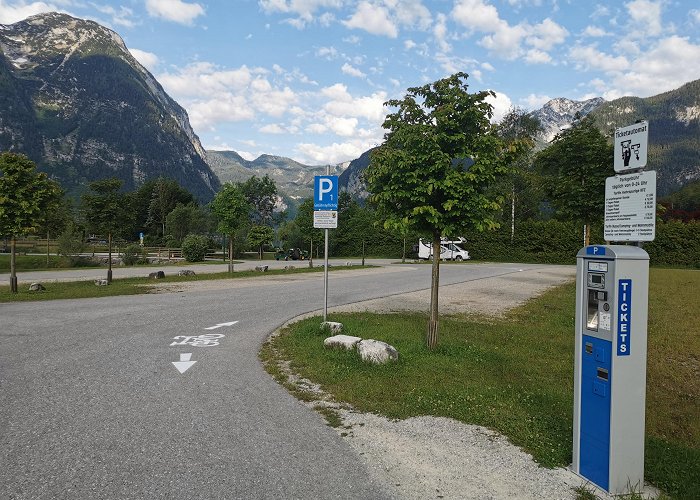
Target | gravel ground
(436,457)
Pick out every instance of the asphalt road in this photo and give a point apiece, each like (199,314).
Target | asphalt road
(92,406)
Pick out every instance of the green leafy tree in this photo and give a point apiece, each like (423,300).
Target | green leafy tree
(187,219)
(573,169)
(231,208)
(165,195)
(259,236)
(433,171)
(262,196)
(305,222)
(290,235)
(194,247)
(105,212)
(54,221)
(25,196)
(519,130)
(71,243)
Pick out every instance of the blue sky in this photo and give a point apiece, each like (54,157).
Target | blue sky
(307,78)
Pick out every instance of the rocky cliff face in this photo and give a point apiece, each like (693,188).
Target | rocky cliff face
(559,114)
(293,179)
(74,99)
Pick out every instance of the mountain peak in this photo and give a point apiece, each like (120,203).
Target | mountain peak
(558,114)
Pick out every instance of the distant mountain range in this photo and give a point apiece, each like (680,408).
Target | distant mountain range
(295,180)
(74,99)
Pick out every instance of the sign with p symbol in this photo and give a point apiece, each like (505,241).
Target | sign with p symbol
(326,192)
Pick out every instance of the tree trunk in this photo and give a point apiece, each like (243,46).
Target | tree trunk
(109,258)
(432,338)
(512,214)
(47,249)
(311,254)
(363,253)
(13,265)
(403,256)
(586,234)
(230,254)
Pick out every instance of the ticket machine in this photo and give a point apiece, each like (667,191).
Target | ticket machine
(612,284)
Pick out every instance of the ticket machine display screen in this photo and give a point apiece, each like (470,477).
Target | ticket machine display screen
(596,280)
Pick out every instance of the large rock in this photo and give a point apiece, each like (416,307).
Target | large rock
(101,282)
(186,272)
(376,351)
(157,275)
(347,342)
(333,326)
(36,287)
(261,269)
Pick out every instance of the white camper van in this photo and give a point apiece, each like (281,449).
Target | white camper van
(449,249)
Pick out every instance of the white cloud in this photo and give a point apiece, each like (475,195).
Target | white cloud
(534,56)
(589,57)
(352,71)
(501,105)
(327,52)
(148,59)
(272,128)
(373,19)
(645,17)
(335,153)
(121,16)
(342,104)
(344,127)
(594,32)
(669,64)
(440,32)
(535,101)
(304,9)
(409,44)
(695,15)
(174,10)
(504,40)
(11,13)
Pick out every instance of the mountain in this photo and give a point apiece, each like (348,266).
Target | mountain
(351,179)
(674,132)
(559,114)
(293,179)
(74,99)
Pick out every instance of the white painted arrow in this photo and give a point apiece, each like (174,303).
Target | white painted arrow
(184,364)
(231,323)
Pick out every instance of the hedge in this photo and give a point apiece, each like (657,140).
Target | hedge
(554,242)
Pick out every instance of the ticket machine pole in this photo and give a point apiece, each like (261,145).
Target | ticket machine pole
(612,285)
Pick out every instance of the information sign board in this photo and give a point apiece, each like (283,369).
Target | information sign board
(631,144)
(630,207)
(325,219)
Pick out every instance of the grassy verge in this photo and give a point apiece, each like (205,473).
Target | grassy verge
(134,286)
(515,375)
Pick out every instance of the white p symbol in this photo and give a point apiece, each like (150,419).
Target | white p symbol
(324,186)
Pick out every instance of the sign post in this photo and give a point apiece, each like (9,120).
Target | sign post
(325,217)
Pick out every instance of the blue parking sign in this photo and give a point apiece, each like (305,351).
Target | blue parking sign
(326,192)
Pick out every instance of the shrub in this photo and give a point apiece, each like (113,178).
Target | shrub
(131,254)
(194,247)
(71,244)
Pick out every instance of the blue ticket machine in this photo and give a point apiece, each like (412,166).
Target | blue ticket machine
(612,284)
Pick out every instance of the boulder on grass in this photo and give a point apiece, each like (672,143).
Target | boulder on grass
(186,272)
(101,283)
(36,287)
(347,342)
(333,326)
(157,275)
(376,351)
(288,268)
(261,269)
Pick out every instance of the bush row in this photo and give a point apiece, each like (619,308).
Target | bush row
(554,242)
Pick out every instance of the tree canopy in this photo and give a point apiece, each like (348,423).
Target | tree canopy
(439,157)
(573,169)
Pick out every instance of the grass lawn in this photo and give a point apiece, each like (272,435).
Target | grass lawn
(134,286)
(515,374)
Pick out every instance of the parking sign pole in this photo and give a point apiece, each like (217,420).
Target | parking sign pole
(325,267)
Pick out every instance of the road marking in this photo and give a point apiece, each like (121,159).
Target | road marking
(231,323)
(204,340)
(184,364)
